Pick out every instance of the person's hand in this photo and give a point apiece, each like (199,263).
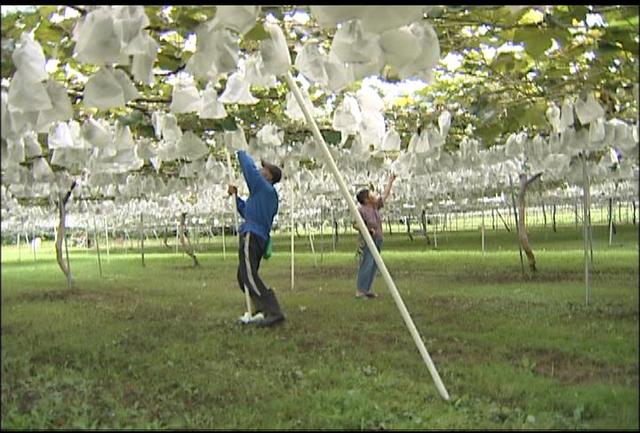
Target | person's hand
(232,190)
(392,177)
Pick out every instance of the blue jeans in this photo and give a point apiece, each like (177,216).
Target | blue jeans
(368,268)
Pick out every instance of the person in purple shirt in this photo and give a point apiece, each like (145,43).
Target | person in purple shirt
(370,205)
(258,212)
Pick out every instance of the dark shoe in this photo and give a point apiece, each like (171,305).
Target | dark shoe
(269,320)
(371,295)
(360,295)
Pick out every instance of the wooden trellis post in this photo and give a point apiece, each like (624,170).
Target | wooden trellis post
(95,239)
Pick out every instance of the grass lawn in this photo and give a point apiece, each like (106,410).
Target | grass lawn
(159,346)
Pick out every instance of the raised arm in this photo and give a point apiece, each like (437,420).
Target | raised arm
(251,173)
(387,190)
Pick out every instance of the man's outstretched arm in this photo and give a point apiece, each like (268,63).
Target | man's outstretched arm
(251,173)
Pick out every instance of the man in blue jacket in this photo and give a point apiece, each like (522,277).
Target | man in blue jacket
(258,212)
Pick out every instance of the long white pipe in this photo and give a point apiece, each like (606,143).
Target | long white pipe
(313,249)
(106,235)
(483,227)
(585,225)
(247,298)
(33,241)
(95,238)
(235,203)
(224,242)
(435,232)
(293,265)
(367,236)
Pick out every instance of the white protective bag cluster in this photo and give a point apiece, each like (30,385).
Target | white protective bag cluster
(31,104)
(368,38)
(108,35)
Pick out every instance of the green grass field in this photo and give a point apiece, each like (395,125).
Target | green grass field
(160,347)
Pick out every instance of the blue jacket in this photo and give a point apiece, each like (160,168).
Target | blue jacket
(262,205)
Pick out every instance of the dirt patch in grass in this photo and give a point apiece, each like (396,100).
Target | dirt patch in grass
(571,369)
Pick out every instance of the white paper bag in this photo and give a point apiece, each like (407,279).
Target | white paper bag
(211,108)
(238,18)
(274,51)
(237,91)
(185,98)
(27,96)
(391,141)
(103,91)
(588,110)
(29,59)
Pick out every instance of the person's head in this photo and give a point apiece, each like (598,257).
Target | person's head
(271,172)
(365,196)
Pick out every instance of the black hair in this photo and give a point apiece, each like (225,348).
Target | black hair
(362,195)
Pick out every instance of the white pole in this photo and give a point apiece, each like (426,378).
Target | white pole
(313,250)
(247,297)
(322,233)
(435,232)
(334,230)
(95,238)
(19,250)
(33,241)
(446,228)
(235,213)
(106,235)
(142,238)
(224,243)
(483,226)
(367,237)
(585,223)
(66,250)
(292,241)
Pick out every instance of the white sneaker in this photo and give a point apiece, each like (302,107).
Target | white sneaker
(247,318)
